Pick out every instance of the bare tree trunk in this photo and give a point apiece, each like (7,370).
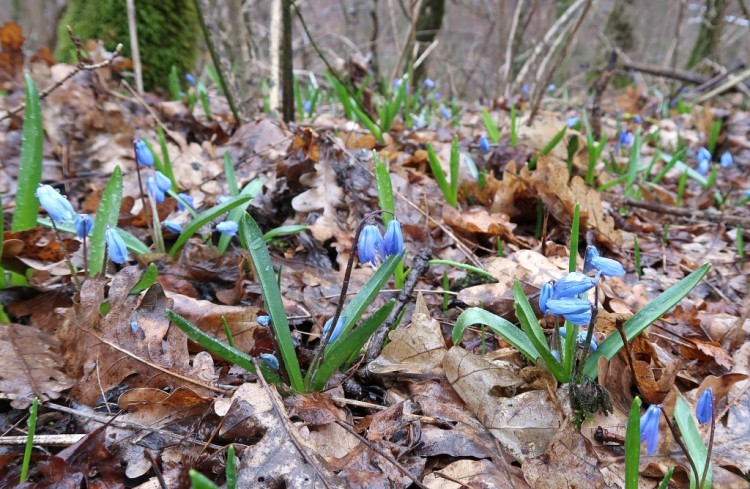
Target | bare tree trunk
(428,25)
(274,96)
(709,38)
(287,64)
(238,40)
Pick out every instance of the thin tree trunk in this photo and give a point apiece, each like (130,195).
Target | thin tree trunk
(709,38)
(287,63)
(274,96)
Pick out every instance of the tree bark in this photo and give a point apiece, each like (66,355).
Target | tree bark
(709,38)
(287,65)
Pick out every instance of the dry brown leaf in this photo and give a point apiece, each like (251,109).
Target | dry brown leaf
(471,473)
(524,424)
(29,366)
(476,220)
(417,348)
(550,179)
(324,194)
(11,56)
(89,340)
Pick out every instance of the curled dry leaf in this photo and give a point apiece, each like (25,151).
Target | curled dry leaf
(29,366)
(102,352)
(324,194)
(472,473)
(477,220)
(524,424)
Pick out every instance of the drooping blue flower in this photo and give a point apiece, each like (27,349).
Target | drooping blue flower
(143,155)
(626,138)
(57,206)
(228,228)
(134,326)
(190,79)
(525,89)
(704,411)
(703,154)
(163,182)
(264,320)
(429,84)
(270,360)
(484,143)
(572,285)
(306,106)
(116,248)
(337,330)
(637,119)
(437,95)
(153,190)
(83,225)
(607,267)
(551,87)
(726,159)
(393,241)
(172,227)
(397,83)
(581,339)
(370,244)
(188,200)
(577,311)
(703,167)
(544,295)
(591,253)
(445,113)
(572,122)
(650,428)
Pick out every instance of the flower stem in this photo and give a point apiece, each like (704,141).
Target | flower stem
(710,445)
(73,270)
(678,439)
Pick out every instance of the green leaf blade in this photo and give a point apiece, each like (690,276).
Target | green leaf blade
(108,214)
(30,170)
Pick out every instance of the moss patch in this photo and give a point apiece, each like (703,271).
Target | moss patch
(168,33)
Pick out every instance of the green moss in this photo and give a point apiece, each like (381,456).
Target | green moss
(168,33)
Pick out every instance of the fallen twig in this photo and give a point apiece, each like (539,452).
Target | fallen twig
(707,215)
(601,86)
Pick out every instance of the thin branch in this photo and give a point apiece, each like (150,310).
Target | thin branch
(509,50)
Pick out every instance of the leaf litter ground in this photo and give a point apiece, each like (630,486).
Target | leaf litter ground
(425,412)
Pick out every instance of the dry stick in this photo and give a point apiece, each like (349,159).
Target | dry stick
(410,39)
(601,86)
(563,20)
(133,31)
(418,269)
(278,410)
(179,140)
(380,452)
(509,50)
(74,72)
(732,82)
(707,215)
(149,454)
(123,424)
(568,38)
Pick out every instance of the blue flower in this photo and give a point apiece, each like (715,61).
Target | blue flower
(437,96)
(445,113)
(118,252)
(264,320)
(544,295)
(393,240)
(525,89)
(306,106)
(637,119)
(726,159)
(143,155)
(625,139)
(397,83)
(370,244)
(556,354)
(429,84)
(188,200)
(572,285)
(163,182)
(484,144)
(337,330)
(704,166)
(704,411)
(551,87)
(703,154)
(56,205)
(134,326)
(154,191)
(591,253)
(228,228)
(607,267)
(172,227)
(650,428)
(83,225)
(577,311)
(581,339)
(190,79)
(572,122)
(270,360)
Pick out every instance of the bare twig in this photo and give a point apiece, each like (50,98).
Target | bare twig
(509,50)
(731,82)
(601,86)
(380,452)
(418,268)
(74,72)
(707,215)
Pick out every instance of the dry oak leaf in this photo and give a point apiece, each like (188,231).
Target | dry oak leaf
(472,473)
(324,194)
(418,348)
(477,220)
(560,196)
(29,365)
(524,424)
(102,352)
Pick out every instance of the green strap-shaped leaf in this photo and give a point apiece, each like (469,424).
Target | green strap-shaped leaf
(133,244)
(644,318)
(204,218)
(235,215)
(693,442)
(502,327)
(344,348)
(220,348)
(633,445)
(252,240)
(147,279)
(109,211)
(30,171)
